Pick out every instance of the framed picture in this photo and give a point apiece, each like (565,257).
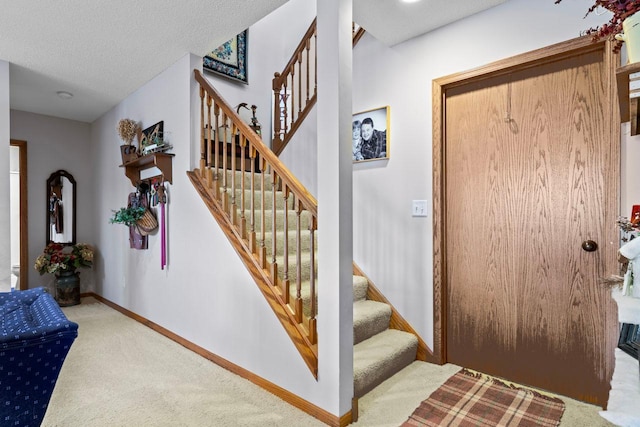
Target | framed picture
(151,138)
(229,59)
(371,135)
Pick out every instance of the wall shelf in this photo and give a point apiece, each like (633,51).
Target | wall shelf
(628,105)
(163,161)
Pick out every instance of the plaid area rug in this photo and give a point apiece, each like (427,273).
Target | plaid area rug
(472,399)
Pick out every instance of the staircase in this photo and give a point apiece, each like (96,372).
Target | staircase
(379,351)
(271,221)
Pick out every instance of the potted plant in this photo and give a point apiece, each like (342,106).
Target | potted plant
(139,216)
(127,216)
(621,24)
(62,261)
(128,129)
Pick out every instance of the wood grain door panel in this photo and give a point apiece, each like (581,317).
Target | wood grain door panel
(527,170)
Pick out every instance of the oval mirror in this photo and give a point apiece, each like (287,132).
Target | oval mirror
(61,208)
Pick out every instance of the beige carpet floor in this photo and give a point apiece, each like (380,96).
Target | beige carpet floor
(121,373)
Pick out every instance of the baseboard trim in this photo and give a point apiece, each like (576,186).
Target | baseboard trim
(283,394)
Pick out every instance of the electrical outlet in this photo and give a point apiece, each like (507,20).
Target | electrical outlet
(419,208)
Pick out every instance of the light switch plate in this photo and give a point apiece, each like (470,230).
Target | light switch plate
(419,208)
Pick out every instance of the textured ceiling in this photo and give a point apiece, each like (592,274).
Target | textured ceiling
(102,51)
(394,21)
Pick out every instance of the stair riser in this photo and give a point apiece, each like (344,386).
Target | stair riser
(305,264)
(305,293)
(305,243)
(369,319)
(257,181)
(305,220)
(257,199)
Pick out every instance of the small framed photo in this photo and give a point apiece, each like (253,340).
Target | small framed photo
(229,59)
(371,135)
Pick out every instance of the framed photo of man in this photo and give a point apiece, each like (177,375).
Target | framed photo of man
(371,135)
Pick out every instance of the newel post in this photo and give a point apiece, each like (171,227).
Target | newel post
(277,88)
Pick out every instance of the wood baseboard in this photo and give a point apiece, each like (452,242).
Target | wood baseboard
(287,396)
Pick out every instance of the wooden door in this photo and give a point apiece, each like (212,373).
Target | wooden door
(529,175)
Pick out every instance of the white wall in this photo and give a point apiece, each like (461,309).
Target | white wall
(5,214)
(391,246)
(300,156)
(630,183)
(54,144)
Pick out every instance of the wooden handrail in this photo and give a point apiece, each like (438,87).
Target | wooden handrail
(239,174)
(285,84)
(301,46)
(292,182)
(298,84)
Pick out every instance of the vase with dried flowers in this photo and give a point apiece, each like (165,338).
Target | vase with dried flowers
(128,129)
(621,27)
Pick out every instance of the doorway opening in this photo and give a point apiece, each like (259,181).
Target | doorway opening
(18,216)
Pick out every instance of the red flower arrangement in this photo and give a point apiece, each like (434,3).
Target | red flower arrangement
(59,258)
(621,9)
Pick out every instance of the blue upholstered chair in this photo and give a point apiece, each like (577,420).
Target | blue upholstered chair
(35,337)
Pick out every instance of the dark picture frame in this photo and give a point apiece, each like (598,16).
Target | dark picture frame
(151,136)
(230,58)
(370,130)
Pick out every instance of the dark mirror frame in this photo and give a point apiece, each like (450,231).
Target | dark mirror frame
(52,179)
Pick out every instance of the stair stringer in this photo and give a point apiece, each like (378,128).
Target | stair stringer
(397,321)
(307,350)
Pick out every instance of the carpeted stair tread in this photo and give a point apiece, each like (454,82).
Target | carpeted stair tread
(369,318)
(380,357)
(360,288)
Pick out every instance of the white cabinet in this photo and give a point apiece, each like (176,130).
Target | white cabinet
(624,399)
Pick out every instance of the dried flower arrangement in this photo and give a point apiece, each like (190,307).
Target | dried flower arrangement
(128,129)
(621,9)
(58,258)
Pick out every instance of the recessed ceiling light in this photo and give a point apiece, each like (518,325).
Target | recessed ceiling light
(64,94)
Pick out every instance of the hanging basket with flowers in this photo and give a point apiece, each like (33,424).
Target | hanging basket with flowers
(140,217)
(621,10)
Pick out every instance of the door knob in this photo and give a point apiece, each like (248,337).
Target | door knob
(589,245)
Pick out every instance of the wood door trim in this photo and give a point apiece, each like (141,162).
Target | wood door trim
(523,61)
(24,214)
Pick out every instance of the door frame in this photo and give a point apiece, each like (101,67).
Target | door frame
(440,86)
(24,214)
